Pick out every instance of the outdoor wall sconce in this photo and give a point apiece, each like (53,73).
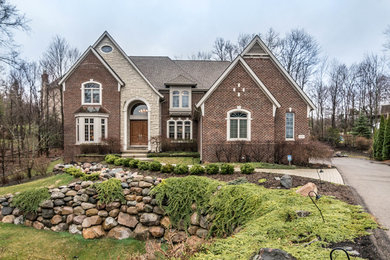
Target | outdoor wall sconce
(338,249)
(317,198)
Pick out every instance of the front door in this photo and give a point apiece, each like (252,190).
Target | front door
(138,132)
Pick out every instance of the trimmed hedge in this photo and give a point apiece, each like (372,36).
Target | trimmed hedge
(212,169)
(175,154)
(181,169)
(247,168)
(197,170)
(155,166)
(227,168)
(167,168)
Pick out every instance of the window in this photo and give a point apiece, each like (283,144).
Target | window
(289,126)
(180,98)
(106,49)
(238,125)
(91,93)
(90,129)
(179,129)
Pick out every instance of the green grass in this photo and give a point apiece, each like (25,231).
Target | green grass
(18,242)
(264,165)
(177,160)
(49,169)
(56,180)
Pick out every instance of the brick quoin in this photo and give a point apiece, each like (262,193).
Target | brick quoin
(89,68)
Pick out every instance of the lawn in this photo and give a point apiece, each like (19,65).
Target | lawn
(18,242)
(177,160)
(56,180)
(264,165)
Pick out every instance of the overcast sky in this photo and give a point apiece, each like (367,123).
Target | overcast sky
(345,29)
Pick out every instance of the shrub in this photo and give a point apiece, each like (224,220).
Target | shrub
(212,169)
(378,139)
(118,161)
(167,168)
(110,158)
(333,136)
(155,166)
(227,168)
(175,154)
(386,142)
(247,168)
(126,161)
(28,201)
(94,176)
(196,169)
(109,191)
(75,172)
(143,166)
(113,144)
(134,163)
(362,143)
(94,149)
(41,165)
(362,127)
(181,169)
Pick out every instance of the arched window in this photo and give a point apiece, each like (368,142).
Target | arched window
(91,93)
(238,125)
(175,98)
(184,98)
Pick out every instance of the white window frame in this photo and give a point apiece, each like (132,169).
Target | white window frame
(80,126)
(181,90)
(100,93)
(249,119)
(293,127)
(175,128)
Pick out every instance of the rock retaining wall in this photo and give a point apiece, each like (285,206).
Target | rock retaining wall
(74,208)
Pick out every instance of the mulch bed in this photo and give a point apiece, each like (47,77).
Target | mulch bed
(363,245)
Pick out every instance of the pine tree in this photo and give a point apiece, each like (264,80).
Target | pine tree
(386,142)
(361,127)
(378,147)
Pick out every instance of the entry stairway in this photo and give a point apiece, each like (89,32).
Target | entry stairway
(139,153)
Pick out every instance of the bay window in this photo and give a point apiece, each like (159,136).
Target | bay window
(90,129)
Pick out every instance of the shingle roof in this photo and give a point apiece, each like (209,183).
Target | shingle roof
(161,71)
(385,109)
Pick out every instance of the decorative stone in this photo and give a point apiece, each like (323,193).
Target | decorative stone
(150,219)
(158,210)
(6,211)
(140,206)
(59,202)
(136,190)
(120,233)
(47,213)
(73,229)
(31,216)
(78,210)
(130,197)
(156,231)
(109,223)
(272,254)
(144,184)
(113,205)
(16,212)
(165,222)
(66,210)
(71,193)
(148,208)
(38,225)
(141,232)
(127,220)
(91,212)
(145,192)
(286,181)
(60,227)
(91,221)
(69,219)
(113,213)
(56,220)
(102,213)
(202,233)
(86,184)
(8,219)
(93,232)
(57,195)
(132,210)
(302,213)
(308,187)
(195,220)
(192,230)
(81,198)
(79,219)
(86,205)
(47,204)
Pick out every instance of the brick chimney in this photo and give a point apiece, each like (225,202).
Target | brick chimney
(45,77)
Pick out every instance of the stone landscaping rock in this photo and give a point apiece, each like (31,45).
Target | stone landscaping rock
(38,225)
(141,232)
(102,213)
(31,216)
(156,231)
(86,205)
(67,211)
(59,202)
(114,213)
(79,219)
(165,222)
(150,219)
(91,221)
(8,219)
(109,223)
(78,210)
(47,213)
(71,193)
(195,220)
(201,232)
(302,213)
(73,229)
(16,212)
(91,212)
(132,210)
(57,195)
(120,233)
(144,184)
(272,254)
(56,220)
(6,211)
(127,220)
(60,227)
(69,219)
(286,181)
(305,189)
(93,232)
(47,204)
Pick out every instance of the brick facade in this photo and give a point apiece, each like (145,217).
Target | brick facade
(90,68)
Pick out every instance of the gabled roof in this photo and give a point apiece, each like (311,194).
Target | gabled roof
(82,57)
(253,49)
(180,80)
(237,60)
(106,34)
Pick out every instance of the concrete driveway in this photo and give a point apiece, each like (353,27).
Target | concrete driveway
(371,180)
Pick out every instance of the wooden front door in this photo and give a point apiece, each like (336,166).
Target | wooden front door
(138,132)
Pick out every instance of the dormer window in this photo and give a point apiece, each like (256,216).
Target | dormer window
(91,93)
(180,98)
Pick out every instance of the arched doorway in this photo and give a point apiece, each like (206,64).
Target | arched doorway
(138,124)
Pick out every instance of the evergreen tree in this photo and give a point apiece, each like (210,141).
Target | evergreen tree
(386,142)
(361,127)
(378,142)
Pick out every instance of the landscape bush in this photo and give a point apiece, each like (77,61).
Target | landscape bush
(212,169)
(118,161)
(181,169)
(175,154)
(109,191)
(75,172)
(227,168)
(94,176)
(197,170)
(143,166)
(247,168)
(110,158)
(28,201)
(155,166)
(126,162)
(167,168)
(362,143)
(41,165)
(134,163)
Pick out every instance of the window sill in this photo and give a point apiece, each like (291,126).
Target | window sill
(237,139)
(181,140)
(290,139)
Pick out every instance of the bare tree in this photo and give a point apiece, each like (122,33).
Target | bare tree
(299,54)
(272,39)
(224,50)
(201,55)
(338,76)
(243,40)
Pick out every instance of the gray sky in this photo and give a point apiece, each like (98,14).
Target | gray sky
(345,29)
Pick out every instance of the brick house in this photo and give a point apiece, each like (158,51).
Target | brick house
(251,102)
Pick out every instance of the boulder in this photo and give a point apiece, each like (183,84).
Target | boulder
(91,212)
(272,254)
(79,219)
(56,220)
(286,181)
(73,229)
(150,219)
(6,211)
(109,223)
(202,233)
(165,222)
(120,233)
(78,210)
(91,221)
(38,225)
(86,205)
(127,220)
(141,232)
(8,219)
(57,195)
(93,232)
(60,227)
(156,231)
(195,220)
(67,211)
(47,204)
(308,187)
(47,213)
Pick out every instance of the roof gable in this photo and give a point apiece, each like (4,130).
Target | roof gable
(255,48)
(259,83)
(81,59)
(180,80)
(106,34)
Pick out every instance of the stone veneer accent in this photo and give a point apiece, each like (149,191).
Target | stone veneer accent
(135,88)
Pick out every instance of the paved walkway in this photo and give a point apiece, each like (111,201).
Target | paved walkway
(330,175)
